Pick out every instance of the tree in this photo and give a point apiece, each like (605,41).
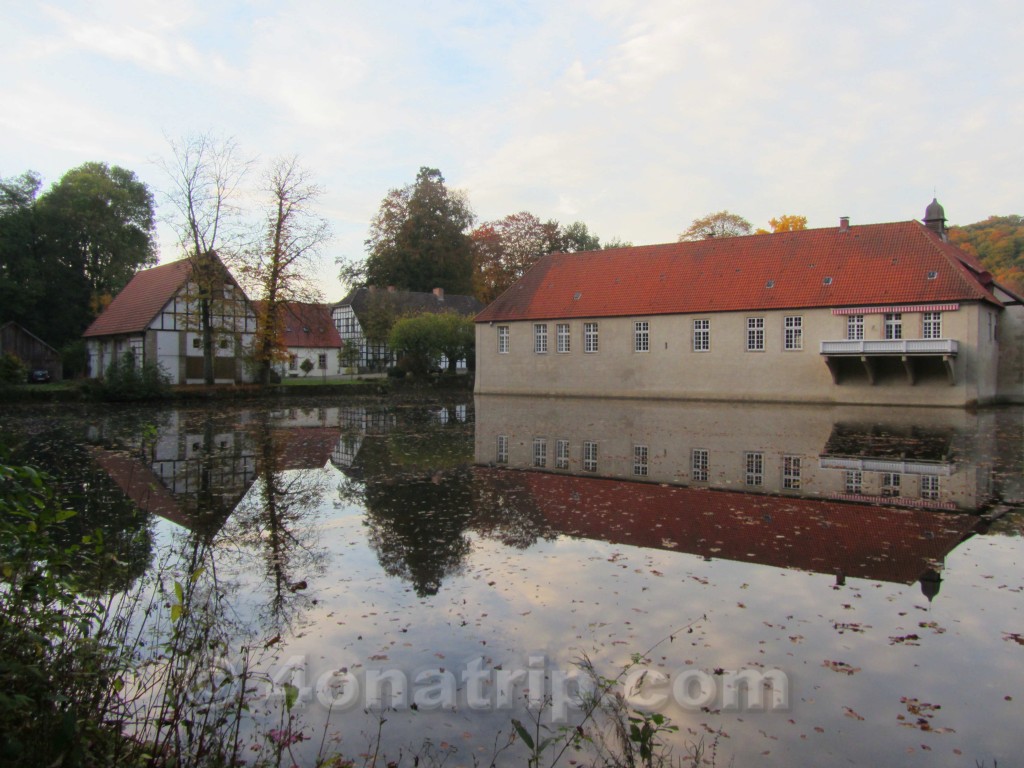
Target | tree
(504,249)
(577,237)
(422,339)
(785,223)
(22,284)
(205,173)
(721,224)
(418,238)
(998,242)
(292,238)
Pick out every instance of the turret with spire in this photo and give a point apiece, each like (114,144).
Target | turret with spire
(935,218)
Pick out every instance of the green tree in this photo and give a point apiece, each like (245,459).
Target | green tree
(423,339)
(418,239)
(22,283)
(577,237)
(721,224)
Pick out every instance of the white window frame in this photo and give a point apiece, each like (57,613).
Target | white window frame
(793,333)
(753,462)
(893,322)
(755,334)
(931,325)
(892,485)
(930,487)
(503,339)
(641,336)
(590,338)
(540,338)
(561,454)
(702,335)
(641,455)
(563,343)
(321,361)
(791,473)
(855,327)
(501,453)
(699,463)
(540,452)
(589,456)
(854,481)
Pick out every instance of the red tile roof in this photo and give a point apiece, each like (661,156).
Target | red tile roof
(139,302)
(874,264)
(305,325)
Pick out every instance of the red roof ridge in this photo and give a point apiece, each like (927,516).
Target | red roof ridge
(134,308)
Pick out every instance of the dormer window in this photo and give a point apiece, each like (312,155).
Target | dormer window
(826,281)
(770,284)
(932,275)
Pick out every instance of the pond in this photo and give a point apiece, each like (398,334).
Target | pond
(405,582)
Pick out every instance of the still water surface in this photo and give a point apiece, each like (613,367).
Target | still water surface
(848,555)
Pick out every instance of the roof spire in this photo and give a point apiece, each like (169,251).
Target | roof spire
(935,218)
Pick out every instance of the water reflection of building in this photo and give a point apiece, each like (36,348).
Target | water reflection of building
(931,458)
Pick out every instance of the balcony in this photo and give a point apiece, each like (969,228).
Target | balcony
(872,353)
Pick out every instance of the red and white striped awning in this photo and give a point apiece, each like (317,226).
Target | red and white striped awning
(896,308)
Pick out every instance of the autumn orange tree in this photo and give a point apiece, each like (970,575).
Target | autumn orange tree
(784,223)
(998,242)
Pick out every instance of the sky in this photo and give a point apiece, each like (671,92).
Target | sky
(633,117)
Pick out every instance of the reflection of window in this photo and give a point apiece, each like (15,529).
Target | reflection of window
(754,465)
(540,452)
(793,328)
(540,338)
(590,456)
(755,334)
(562,454)
(791,472)
(701,335)
(562,337)
(855,327)
(502,339)
(854,481)
(640,460)
(931,325)
(699,464)
(590,337)
(502,453)
(891,484)
(641,336)
(930,487)
(893,325)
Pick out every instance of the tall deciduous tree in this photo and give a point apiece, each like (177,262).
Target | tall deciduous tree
(205,173)
(721,224)
(504,249)
(22,282)
(293,235)
(418,239)
(784,223)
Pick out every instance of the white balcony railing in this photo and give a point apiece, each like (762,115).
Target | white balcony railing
(891,347)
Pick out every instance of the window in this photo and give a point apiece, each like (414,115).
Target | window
(793,332)
(854,481)
(590,337)
(562,454)
(699,464)
(890,484)
(640,460)
(540,338)
(641,336)
(590,456)
(791,472)
(293,363)
(540,452)
(562,337)
(701,335)
(223,344)
(502,452)
(893,325)
(855,327)
(502,339)
(930,487)
(197,343)
(931,325)
(755,334)
(754,464)
(321,361)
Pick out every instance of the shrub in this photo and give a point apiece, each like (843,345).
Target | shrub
(12,370)
(125,380)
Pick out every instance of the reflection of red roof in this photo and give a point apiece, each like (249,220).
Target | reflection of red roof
(305,325)
(139,302)
(895,545)
(869,264)
(305,447)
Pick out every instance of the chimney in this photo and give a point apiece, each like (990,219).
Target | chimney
(439,292)
(844,223)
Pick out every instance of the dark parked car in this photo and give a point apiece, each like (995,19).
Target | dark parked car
(39,376)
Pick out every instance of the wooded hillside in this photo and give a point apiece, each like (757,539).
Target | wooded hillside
(999,243)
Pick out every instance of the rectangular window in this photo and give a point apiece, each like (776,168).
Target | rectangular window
(793,336)
(893,325)
(931,325)
(590,337)
(562,454)
(641,336)
(891,483)
(590,456)
(540,338)
(562,337)
(640,460)
(791,472)
(754,465)
(930,487)
(699,464)
(502,453)
(855,327)
(502,339)
(755,334)
(540,452)
(701,335)
(293,363)
(854,481)
(197,343)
